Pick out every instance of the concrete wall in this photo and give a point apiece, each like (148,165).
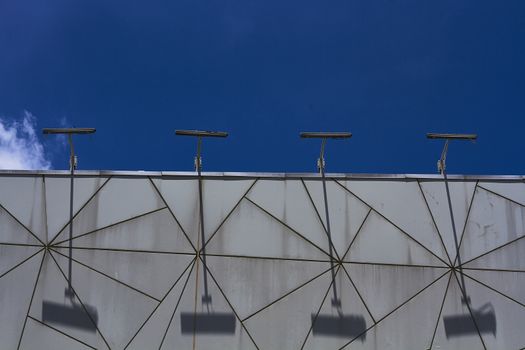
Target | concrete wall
(261,273)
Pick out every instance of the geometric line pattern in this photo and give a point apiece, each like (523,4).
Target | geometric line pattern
(268,273)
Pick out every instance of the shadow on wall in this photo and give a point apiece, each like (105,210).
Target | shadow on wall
(462,325)
(212,323)
(74,316)
(349,326)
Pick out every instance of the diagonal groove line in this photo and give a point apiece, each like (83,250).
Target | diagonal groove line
(21,262)
(120,250)
(111,225)
(178,302)
(162,300)
(491,270)
(265,258)
(229,214)
(397,308)
(313,205)
(20,244)
(396,226)
(434,223)
(288,227)
(21,224)
(357,233)
(389,264)
(493,250)
(464,292)
(466,221)
(231,306)
(80,301)
(107,276)
(358,293)
(494,290)
(320,219)
(320,307)
(171,212)
(59,331)
(502,196)
(286,294)
(31,300)
(80,209)
(440,311)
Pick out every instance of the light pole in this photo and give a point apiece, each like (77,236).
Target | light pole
(207,323)
(483,319)
(327,325)
(52,311)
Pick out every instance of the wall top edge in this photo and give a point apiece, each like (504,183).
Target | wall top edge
(192,174)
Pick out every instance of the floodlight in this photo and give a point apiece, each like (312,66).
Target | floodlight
(470,137)
(48,131)
(325,135)
(201,133)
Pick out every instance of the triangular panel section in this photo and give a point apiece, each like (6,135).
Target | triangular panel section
(460,197)
(288,201)
(250,284)
(384,287)
(346,212)
(182,197)
(157,231)
(498,318)
(16,288)
(151,273)
(340,319)
(512,284)
(512,190)
(42,337)
(57,198)
(13,232)
(24,198)
(219,198)
(286,323)
(119,200)
(410,326)
(120,309)
(455,327)
(249,231)
(11,256)
(493,222)
(381,242)
(153,331)
(508,257)
(403,204)
(51,306)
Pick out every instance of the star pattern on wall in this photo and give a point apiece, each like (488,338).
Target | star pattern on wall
(265,276)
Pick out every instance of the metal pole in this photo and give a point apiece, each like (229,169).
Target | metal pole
(335,301)
(442,169)
(72,166)
(206,298)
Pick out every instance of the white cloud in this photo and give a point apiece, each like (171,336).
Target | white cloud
(20,147)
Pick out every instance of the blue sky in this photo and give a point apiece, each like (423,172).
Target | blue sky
(388,71)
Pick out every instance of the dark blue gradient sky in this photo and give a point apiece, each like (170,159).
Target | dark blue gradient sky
(389,71)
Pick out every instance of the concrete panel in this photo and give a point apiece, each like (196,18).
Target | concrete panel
(493,222)
(16,288)
(346,212)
